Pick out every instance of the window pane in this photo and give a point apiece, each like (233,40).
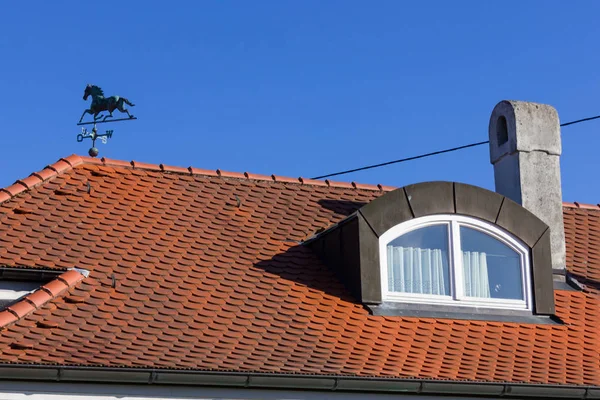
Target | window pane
(418,262)
(491,268)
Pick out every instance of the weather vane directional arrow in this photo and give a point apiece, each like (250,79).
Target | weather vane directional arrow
(100,104)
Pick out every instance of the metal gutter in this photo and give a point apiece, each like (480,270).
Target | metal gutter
(232,380)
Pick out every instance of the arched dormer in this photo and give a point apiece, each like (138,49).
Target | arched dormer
(446,248)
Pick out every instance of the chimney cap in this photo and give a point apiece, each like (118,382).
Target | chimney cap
(519,126)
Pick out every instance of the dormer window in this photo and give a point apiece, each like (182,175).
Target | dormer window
(454,260)
(443,250)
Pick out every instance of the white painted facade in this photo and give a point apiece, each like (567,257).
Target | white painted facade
(81,391)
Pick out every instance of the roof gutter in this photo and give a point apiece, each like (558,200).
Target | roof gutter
(71,374)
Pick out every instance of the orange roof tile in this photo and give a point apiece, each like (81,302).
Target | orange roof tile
(185,276)
(37,299)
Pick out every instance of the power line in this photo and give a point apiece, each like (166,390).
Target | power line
(580,120)
(405,159)
(466,146)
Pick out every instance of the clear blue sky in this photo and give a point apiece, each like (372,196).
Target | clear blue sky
(299,88)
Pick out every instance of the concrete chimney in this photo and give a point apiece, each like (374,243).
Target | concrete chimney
(525,150)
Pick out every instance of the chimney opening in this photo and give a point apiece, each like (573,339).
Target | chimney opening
(501,130)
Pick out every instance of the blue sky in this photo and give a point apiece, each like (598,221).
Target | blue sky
(299,88)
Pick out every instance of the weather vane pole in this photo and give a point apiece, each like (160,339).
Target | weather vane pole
(100,104)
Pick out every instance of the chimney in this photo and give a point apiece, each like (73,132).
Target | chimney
(525,149)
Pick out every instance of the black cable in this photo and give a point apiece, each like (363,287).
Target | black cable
(404,159)
(580,120)
(434,153)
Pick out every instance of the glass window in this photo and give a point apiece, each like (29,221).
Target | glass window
(452,259)
(491,269)
(418,262)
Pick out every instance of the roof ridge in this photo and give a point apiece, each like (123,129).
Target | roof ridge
(74,160)
(236,175)
(583,206)
(41,296)
(275,178)
(37,178)
(67,163)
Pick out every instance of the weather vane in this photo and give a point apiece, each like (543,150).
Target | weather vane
(100,104)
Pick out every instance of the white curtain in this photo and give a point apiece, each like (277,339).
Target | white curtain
(475,272)
(415,270)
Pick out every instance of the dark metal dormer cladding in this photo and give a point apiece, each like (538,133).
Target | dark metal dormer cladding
(352,247)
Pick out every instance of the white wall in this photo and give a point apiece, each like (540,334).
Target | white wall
(81,391)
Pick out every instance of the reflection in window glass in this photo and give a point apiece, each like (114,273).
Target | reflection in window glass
(418,262)
(491,269)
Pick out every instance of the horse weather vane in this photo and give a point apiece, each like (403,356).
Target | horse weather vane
(99,105)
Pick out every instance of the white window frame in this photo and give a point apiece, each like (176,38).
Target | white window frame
(457,297)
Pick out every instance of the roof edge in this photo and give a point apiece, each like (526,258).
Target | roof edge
(37,178)
(326,383)
(258,177)
(70,162)
(582,206)
(43,295)
(236,175)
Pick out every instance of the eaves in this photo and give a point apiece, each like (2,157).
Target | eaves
(324,383)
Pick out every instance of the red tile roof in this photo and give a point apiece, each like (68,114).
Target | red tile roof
(38,298)
(193,269)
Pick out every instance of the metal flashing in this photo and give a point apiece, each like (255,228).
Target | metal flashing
(82,271)
(458,312)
